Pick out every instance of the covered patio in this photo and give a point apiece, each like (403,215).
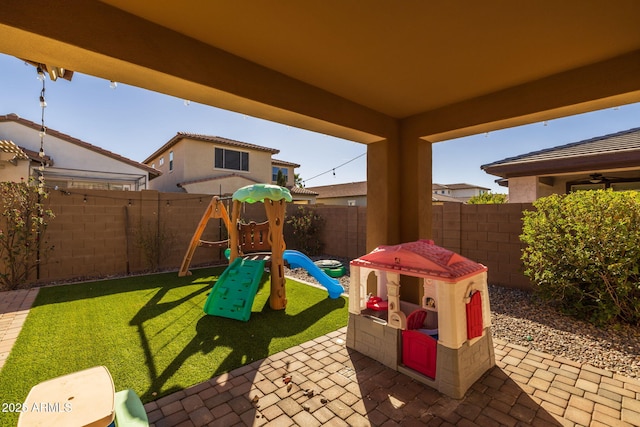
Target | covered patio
(397,77)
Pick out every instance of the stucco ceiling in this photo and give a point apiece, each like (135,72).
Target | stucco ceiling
(354,69)
(404,58)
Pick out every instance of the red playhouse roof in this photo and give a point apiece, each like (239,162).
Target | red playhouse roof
(422,258)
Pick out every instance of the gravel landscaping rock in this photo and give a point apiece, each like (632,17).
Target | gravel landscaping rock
(518,318)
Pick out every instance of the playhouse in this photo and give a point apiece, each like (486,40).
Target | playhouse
(424,311)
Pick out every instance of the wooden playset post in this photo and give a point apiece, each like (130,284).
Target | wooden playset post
(275,214)
(215,209)
(233,231)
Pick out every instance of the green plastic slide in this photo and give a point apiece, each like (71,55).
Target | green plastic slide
(233,294)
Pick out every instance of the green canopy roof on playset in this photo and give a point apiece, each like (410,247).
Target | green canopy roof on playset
(258,192)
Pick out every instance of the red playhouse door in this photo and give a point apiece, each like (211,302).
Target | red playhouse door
(474,316)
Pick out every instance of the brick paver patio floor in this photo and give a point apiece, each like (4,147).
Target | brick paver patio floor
(335,386)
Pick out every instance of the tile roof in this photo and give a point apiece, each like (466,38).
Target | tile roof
(623,143)
(284,163)
(218,177)
(51,132)
(443,198)
(208,138)
(302,191)
(457,186)
(350,189)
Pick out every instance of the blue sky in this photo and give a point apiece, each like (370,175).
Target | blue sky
(135,122)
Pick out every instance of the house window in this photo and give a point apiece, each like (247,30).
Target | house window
(161,161)
(170,160)
(274,173)
(231,159)
(351,202)
(625,186)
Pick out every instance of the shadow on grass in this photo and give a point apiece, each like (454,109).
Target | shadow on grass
(96,289)
(245,342)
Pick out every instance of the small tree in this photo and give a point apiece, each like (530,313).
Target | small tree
(583,253)
(297,180)
(281,180)
(307,225)
(488,199)
(23,222)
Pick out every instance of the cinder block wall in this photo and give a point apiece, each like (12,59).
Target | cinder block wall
(488,234)
(98,233)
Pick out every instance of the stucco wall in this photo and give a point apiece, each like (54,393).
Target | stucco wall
(65,155)
(194,160)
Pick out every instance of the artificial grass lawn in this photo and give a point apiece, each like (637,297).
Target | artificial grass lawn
(152,335)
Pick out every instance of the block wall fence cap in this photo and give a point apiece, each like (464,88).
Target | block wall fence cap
(422,258)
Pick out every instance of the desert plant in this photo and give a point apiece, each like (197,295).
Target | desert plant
(23,221)
(583,251)
(307,225)
(155,240)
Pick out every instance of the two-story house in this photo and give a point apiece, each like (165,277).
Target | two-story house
(71,163)
(206,164)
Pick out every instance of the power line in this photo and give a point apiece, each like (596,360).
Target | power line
(334,169)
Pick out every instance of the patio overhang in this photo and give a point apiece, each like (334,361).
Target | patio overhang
(396,77)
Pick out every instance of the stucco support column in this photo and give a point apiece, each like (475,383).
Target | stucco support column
(383,194)
(398,190)
(416,188)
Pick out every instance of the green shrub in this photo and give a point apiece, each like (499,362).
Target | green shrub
(583,252)
(488,199)
(307,225)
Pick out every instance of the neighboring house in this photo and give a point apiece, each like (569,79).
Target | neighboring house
(609,161)
(71,163)
(355,194)
(348,194)
(462,191)
(206,164)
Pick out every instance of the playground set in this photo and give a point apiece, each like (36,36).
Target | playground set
(251,248)
(439,333)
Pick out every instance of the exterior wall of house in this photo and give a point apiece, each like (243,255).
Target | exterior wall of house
(523,189)
(465,193)
(195,159)
(14,173)
(66,156)
(343,201)
(223,186)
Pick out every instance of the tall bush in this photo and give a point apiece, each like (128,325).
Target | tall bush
(307,225)
(23,221)
(583,252)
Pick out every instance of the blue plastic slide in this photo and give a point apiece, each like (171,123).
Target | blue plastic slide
(299,260)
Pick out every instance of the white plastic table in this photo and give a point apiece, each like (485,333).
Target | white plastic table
(82,399)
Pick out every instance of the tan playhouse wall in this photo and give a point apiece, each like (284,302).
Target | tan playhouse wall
(101,236)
